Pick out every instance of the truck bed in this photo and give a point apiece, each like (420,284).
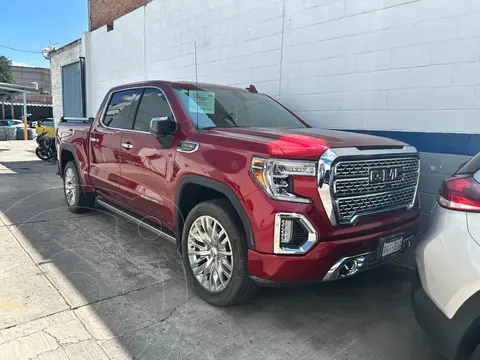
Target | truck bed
(73,130)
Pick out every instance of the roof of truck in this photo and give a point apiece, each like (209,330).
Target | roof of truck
(183,84)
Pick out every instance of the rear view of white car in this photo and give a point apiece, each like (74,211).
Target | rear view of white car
(446,291)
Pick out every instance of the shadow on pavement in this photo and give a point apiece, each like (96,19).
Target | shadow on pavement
(129,289)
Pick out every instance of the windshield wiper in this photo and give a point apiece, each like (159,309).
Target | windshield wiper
(229,116)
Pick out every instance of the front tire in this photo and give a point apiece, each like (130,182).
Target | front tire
(41,155)
(214,252)
(78,201)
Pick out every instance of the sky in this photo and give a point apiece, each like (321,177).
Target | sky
(33,24)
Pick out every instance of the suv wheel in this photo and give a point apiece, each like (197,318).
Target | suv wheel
(214,253)
(77,200)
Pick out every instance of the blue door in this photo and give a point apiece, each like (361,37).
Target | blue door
(72,90)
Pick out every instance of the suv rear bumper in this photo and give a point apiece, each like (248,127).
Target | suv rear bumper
(323,257)
(445,334)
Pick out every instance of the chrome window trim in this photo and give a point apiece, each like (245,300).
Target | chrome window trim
(325,178)
(311,240)
(104,112)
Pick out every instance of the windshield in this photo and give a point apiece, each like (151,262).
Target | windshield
(212,108)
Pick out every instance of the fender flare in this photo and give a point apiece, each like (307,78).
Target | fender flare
(221,188)
(69,148)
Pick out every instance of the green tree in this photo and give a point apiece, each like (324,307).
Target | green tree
(6,74)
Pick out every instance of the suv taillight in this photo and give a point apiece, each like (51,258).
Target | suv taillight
(461,192)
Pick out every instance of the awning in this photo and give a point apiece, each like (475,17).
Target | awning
(10,90)
(16,103)
(14,89)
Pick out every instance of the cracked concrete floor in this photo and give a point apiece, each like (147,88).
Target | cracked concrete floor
(92,286)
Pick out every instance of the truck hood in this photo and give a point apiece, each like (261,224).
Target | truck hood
(306,142)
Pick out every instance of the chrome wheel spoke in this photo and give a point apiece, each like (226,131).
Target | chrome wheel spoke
(200,269)
(210,253)
(220,277)
(227,265)
(201,253)
(70,186)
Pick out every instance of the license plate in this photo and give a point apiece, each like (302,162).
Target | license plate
(392,246)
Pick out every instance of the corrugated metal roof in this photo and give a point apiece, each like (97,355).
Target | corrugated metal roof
(12,89)
(28,104)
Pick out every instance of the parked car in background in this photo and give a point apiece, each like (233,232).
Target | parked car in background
(11,123)
(251,194)
(32,123)
(446,290)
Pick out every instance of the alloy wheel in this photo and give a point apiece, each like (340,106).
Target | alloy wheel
(210,253)
(70,186)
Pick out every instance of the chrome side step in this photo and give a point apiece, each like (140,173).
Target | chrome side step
(136,220)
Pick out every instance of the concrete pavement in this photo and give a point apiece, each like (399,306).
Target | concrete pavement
(93,286)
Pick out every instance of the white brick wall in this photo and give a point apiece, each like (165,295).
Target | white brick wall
(357,64)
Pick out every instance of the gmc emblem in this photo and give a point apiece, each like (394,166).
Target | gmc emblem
(385,175)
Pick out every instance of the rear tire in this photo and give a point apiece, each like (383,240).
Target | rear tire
(78,200)
(224,279)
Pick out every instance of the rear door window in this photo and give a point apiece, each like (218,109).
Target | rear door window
(153,104)
(472,166)
(121,109)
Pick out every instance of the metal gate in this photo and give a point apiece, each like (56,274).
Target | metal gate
(72,90)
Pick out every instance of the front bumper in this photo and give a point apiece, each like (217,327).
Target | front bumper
(323,262)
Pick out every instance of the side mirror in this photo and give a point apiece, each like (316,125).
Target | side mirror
(163,128)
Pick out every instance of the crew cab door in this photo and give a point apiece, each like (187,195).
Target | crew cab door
(105,140)
(146,168)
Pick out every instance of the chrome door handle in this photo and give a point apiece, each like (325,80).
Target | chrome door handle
(94,139)
(127,145)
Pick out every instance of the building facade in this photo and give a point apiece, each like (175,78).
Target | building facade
(406,69)
(28,76)
(103,12)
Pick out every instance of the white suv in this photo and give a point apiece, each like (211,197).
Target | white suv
(446,291)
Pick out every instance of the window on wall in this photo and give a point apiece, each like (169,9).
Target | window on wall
(121,109)
(153,104)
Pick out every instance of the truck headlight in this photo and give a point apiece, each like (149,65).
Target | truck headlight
(275,177)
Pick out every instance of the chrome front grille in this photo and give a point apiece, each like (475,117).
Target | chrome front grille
(363,167)
(349,207)
(365,187)
(349,187)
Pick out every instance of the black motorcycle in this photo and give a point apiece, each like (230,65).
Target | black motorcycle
(46,148)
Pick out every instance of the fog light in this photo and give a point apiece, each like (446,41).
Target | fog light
(293,234)
(286,231)
(349,268)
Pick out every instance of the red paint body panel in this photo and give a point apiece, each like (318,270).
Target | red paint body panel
(145,180)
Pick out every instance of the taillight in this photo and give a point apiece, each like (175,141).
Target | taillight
(460,193)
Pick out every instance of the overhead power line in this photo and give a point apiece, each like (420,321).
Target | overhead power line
(14,49)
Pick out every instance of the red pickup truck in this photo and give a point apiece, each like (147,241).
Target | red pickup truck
(250,193)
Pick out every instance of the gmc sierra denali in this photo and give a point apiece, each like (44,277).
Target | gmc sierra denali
(251,194)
